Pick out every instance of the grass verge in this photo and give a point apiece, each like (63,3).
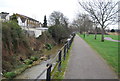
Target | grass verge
(61,75)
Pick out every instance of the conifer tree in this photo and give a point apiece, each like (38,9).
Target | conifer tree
(45,22)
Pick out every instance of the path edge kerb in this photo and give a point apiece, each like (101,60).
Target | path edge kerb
(69,57)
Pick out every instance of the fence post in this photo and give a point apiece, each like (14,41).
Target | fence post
(59,60)
(67,47)
(72,39)
(65,51)
(48,76)
(70,42)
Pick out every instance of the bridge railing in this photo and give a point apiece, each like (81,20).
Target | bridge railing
(57,60)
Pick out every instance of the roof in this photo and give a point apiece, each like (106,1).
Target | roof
(23,17)
(3,15)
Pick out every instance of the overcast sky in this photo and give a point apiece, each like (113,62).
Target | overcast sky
(38,8)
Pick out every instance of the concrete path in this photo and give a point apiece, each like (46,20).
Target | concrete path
(85,63)
(35,71)
(110,39)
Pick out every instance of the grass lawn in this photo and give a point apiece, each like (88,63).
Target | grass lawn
(107,49)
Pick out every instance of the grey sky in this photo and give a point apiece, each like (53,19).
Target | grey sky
(38,8)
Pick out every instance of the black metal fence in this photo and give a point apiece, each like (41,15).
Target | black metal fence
(61,55)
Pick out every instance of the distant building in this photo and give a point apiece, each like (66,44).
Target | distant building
(25,21)
(36,32)
(31,26)
(4,16)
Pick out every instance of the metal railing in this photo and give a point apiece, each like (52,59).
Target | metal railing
(60,56)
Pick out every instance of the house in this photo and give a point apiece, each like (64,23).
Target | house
(25,21)
(36,32)
(29,25)
(4,16)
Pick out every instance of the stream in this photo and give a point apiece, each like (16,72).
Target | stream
(35,71)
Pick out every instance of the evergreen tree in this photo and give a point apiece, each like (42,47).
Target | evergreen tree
(45,22)
(112,30)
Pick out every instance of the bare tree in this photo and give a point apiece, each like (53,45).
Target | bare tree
(56,18)
(76,24)
(95,24)
(95,32)
(59,26)
(83,23)
(104,12)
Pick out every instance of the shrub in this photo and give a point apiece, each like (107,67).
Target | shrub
(48,46)
(112,30)
(21,69)
(58,33)
(33,58)
(28,61)
(10,75)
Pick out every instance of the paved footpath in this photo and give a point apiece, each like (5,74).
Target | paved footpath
(85,63)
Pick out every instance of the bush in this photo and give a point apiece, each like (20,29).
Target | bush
(10,75)
(33,58)
(58,33)
(28,61)
(48,46)
(21,69)
(112,30)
